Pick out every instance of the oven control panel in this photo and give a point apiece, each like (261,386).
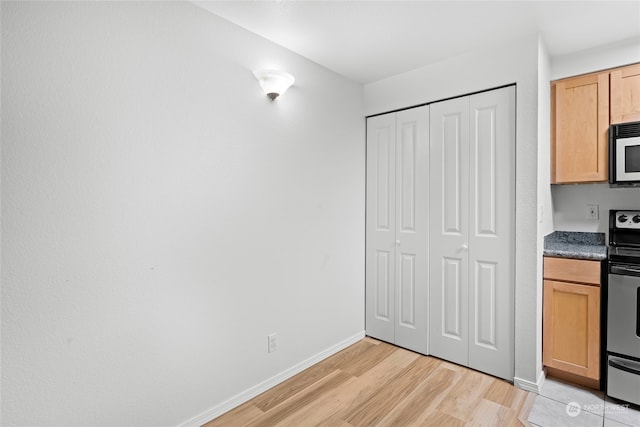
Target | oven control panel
(628,219)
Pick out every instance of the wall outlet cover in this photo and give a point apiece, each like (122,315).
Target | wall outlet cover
(272,343)
(592,212)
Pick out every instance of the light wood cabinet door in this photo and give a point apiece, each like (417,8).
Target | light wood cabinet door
(571,328)
(580,123)
(625,94)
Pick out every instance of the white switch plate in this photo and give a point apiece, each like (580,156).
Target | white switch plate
(592,212)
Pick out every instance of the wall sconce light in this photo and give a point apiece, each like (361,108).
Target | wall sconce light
(274,82)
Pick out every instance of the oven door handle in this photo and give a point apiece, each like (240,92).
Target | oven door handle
(625,270)
(614,363)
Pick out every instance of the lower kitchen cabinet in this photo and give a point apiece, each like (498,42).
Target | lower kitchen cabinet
(571,319)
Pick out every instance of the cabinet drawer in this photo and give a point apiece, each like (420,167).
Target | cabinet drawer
(572,270)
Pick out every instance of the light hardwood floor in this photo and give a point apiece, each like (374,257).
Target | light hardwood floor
(372,383)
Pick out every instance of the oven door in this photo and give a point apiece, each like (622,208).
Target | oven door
(627,167)
(623,317)
(623,379)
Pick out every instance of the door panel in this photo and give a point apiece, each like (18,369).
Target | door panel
(382,283)
(407,312)
(491,239)
(485,330)
(384,180)
(484,166)
(449,193)
(412,189)
(451,288)
(407,175)
(453,126)
(380,244)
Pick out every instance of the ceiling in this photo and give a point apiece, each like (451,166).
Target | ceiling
(370,40)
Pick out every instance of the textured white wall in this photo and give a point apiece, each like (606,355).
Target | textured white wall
(160,216)
(514,62)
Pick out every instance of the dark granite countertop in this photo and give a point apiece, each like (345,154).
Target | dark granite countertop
(574,244)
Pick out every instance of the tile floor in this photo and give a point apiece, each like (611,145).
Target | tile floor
(588,408)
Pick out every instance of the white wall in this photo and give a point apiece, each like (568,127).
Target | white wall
(569,201)
(545,202)
(623,52)
(160,216)
(516,61)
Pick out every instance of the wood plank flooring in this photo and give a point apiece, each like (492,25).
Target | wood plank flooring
(372,383)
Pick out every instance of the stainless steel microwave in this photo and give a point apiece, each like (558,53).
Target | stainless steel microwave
(624,155)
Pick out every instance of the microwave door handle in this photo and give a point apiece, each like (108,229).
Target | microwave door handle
(623,367)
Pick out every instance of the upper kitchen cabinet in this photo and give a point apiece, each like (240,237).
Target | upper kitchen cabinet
(582,108)
(625,94)
(579,125)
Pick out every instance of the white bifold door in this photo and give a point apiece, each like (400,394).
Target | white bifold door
(471,241)
(397,227)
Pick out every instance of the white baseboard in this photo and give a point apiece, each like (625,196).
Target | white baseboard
(252,392)
(530,386)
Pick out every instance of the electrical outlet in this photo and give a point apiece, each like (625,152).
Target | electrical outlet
(591,212)
(272,342)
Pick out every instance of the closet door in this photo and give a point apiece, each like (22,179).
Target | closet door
(492,230)
(397,227)
(472,231)
(449,219)
(380,227)
(412,224)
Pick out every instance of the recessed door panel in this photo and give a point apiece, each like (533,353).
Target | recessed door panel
(451,294)
(407,296)
(383,171)
(484,145)
(451,158)
(407,176)
(485,305)
(383,285)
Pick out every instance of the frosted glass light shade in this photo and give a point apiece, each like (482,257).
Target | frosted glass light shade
(274,82)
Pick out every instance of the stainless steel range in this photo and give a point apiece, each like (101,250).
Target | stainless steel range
(623,307)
